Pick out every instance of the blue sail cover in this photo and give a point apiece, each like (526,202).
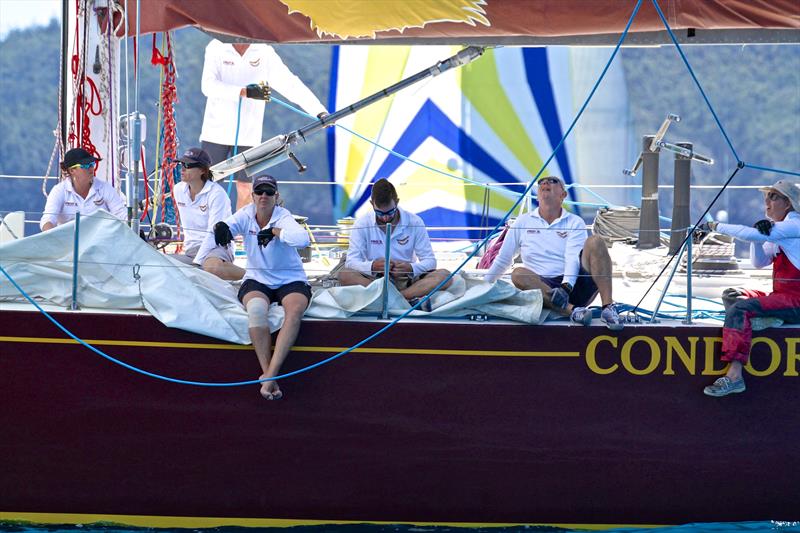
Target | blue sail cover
(494,121)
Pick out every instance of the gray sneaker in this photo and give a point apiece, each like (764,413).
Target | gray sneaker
(581,315)
(610,316)
(724,386)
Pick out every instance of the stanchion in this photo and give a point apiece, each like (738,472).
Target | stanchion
(387,256)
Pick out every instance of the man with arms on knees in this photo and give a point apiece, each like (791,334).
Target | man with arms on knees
(274,274)
(775,241)
(558,259)
(232,72)
(412,265)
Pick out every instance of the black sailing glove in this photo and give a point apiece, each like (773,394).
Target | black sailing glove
(764,227)
(222,234)
(265,236)
(259,91)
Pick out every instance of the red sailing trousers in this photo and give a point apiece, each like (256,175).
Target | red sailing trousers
(783,303)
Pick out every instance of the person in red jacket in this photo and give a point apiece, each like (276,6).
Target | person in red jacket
(776,241)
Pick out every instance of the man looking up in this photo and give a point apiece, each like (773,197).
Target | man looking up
(412,265)
(558,259)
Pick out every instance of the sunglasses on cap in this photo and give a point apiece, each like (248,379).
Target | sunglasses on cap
(774,196)
(269,191)
(84,165)
(386,214)
(191,165)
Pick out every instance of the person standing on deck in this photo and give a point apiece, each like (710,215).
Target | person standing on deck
(412,262)
(776,241)
(231,73)
(80,192)
(558,259)
(201,203)
(274,274)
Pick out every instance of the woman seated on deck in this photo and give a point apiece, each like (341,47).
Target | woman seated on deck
(776,241)
(274,274)
(80,192)
(201,203)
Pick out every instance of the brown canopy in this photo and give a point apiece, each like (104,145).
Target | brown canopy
(468,21)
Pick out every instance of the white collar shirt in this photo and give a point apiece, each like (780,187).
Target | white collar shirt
(276,264)
(225,73)
(63,202)
(785,235)
(410,243)
(198,216)
(549,250)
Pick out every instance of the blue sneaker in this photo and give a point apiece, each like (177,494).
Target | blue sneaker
(610,316)
(581,315)
(724,386)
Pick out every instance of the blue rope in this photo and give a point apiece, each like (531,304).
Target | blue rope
(689,67)
(235,142)
(394,321)
(767,169)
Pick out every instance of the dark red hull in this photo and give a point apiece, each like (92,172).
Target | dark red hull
(400,432)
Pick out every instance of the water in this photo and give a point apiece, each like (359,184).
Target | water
(716,527)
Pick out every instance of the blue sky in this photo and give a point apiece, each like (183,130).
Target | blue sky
(24,13)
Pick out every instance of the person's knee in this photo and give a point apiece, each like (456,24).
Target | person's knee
(442,275)
(521,277)
(595,245)
(212,266)
(257,313)
(349,277)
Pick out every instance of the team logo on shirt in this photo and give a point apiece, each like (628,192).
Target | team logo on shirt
(562,234)
(227,63)
(376,241)
(255,62)
(533,231)
(71,203)
(182,204)
(98,202)
(203,208)
(403,241)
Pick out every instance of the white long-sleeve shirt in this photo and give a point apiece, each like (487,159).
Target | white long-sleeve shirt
(549,250)
(763,248)
(63,202)
(276,264)
(225,73)
(410,243)
(198,216)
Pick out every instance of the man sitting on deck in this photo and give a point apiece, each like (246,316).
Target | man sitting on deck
(412,265)
(558,259)
(775,241)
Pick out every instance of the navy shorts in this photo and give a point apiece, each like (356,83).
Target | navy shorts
(275,295)
(582,293)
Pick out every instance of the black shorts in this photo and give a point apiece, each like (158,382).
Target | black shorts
(275,295)
(582,293)
(221,152)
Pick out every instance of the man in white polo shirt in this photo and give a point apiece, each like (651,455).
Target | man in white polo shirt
(412,263)
(558,259)
(227,72)
(274,274)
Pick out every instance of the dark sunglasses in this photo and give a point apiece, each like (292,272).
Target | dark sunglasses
(552,181)
(269,192)
(774,197)
(191,165)
(385,214)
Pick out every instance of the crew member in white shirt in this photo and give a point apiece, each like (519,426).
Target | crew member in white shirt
(774,241)
(274,274)
(201,204)
(80,192)
(412,264)
(558,258)
(227,72)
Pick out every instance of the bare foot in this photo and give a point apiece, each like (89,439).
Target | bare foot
(270,390)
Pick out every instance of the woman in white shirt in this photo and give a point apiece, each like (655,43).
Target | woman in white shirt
(202,203)
(274,274)
(80,192)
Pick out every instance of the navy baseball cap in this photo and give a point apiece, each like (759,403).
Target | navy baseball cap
(265,180)
(77,156)
(195,155)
